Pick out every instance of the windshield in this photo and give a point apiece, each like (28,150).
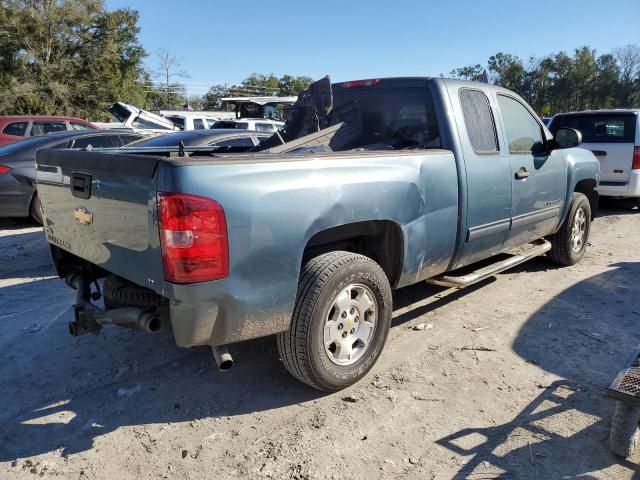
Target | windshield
(391,116)
(120,112)
(599,127)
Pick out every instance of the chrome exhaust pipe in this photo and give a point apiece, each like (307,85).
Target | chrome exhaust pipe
(223,358)
(149,322)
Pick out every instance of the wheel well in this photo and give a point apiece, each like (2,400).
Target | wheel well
(588,188)
(380,240)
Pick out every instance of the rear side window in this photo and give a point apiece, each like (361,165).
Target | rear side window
(524,133)
(235,142)
(80,126)
(479,121)
(265,127)
(210,122)
(224,124)
(16,128)
(125,139)
(42,128)
(599,128)
(233,145)
(198,124)
(99,141)
(242,125)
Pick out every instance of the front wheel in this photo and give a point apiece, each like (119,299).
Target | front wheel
(570,242)
(340,321)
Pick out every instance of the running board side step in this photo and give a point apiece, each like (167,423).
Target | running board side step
(519,256)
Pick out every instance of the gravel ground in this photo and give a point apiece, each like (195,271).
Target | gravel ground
(502,380)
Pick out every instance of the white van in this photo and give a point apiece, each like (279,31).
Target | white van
(614,138)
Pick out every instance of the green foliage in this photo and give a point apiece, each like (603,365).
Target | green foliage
(257,84)
(68,57)
(75,57)
(561,82)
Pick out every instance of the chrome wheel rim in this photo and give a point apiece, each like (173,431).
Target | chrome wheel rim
(350,324)
(579,230)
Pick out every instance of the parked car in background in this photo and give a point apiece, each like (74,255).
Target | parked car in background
(135,119)
(18,197)
(418,177)
(18,127)
(224,139)
(191,120)
(258,124)
(614,138)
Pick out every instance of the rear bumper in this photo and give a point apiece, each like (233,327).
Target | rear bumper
(221,312)
(630,189)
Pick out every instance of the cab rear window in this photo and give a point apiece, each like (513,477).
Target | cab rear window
(390,116)
(598,127)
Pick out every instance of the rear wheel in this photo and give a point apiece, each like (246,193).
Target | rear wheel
(625,429)
(35,209)
(340,321)
(570,242)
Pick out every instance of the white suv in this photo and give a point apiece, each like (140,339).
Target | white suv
(258,124)
(614,138)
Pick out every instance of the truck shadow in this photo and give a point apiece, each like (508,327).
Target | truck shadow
(584,336)
(540,439)
(61,393)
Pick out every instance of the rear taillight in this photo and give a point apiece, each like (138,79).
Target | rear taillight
(636,158)
(193,236)
(361,83)
(4,169)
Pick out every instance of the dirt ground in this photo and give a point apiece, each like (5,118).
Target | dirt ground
(529,404)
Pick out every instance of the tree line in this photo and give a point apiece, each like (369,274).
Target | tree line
(75,57)
(563,82)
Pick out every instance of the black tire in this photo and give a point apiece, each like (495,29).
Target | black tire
(119,292)
(562,251)
(302,347)
(35,209)
(624,437)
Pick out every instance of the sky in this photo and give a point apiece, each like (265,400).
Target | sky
(224,42)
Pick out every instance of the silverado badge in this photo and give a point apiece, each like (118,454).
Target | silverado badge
(83,215)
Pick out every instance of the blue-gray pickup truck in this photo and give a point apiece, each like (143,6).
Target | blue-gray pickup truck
(371,186)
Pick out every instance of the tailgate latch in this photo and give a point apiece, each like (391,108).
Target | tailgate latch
(81,185)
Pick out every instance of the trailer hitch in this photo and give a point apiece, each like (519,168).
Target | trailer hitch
(90,318)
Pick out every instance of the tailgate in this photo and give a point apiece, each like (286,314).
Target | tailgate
(615,159)
(101,207)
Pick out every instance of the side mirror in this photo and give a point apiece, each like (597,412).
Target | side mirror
(568,138)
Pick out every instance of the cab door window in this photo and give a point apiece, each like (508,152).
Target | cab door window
(524,134)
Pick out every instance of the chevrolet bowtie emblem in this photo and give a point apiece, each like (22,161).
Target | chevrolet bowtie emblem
(83,216)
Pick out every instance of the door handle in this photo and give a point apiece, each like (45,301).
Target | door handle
(522,174)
